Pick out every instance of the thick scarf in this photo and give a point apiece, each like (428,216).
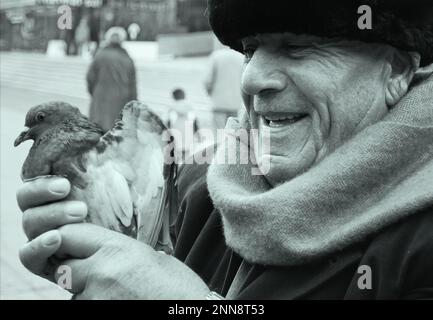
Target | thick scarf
(380,176)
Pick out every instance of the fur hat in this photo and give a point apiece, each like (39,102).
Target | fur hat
(404,24)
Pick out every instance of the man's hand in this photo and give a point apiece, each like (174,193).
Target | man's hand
(109,265)
(104,264)
(43,212)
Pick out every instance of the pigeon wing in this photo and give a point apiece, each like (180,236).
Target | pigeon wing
(129,180)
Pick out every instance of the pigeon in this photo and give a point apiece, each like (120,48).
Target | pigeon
(126,176)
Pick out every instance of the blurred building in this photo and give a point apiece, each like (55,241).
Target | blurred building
(191,15)
(152,16)
(30,24)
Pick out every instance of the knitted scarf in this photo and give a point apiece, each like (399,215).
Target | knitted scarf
(381,175)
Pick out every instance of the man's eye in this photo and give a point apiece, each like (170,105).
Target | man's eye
(249,46)
(291,47)
(296,49)
(249,52)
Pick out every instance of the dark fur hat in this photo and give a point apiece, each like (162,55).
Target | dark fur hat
(404,24)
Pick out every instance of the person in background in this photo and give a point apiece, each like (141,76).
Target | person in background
(222,83)
(69,34)
(69,38)
(177,108)
(111,80)
(183,123)
(133,31)
(6,36)
(94,26)
(82,34)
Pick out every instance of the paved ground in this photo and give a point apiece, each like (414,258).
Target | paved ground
(29,79)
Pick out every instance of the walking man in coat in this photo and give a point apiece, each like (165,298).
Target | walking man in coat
(222,83)
(111,80)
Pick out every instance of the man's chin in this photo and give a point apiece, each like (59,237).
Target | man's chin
(279,169)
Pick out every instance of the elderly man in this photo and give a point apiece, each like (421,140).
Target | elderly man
(345,209)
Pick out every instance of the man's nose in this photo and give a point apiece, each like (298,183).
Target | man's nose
(263,73)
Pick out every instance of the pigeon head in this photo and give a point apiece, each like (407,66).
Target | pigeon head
(45,116)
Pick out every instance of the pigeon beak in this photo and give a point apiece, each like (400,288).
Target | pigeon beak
(21,138)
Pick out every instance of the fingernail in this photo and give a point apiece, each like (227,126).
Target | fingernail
(76,210)
(59,186)
(50,239)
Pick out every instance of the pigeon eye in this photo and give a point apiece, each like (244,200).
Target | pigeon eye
(40,116)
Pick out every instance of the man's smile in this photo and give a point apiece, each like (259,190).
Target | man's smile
(282,120)
(287,131)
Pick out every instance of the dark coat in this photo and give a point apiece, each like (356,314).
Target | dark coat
(400,256)
(111,81)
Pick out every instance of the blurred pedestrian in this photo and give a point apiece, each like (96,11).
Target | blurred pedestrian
(223,84)
(82,34)
(183,124)
(94,26)
(111,79)
(6,36)
(69,37)
(133,31)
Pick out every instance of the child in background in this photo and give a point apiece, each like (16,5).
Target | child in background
(183,124)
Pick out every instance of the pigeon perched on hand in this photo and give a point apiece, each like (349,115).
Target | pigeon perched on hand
(123,176)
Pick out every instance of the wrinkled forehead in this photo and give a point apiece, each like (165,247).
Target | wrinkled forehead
(305,40)
(287,36)
(303,54)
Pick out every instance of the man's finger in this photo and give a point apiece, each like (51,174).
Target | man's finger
(72,274)
(81,240)
(42,190)
(35,254)
(51,216)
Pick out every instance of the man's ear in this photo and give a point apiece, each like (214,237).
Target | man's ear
(404,66)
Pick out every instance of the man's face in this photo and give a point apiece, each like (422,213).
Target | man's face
(312,95)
